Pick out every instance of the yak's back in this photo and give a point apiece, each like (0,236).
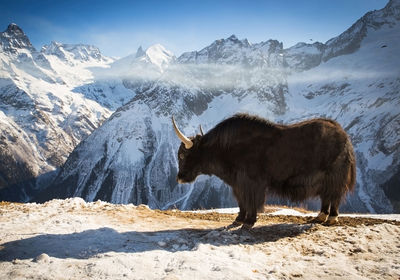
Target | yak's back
(240,128)
(321,141)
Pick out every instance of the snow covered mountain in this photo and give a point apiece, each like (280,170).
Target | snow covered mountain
(353,78)
(49,101)
(41,118)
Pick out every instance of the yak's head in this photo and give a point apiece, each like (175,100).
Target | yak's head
(189,156)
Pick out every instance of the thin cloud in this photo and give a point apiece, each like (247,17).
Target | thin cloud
(332,74)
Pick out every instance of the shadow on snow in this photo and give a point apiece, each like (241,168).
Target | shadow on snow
(89,243)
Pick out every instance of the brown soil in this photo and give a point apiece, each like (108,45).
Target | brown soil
(265,219)
(170,217)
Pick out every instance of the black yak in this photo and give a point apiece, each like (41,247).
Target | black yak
(313,158)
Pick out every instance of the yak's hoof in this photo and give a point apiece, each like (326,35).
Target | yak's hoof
(237,223)
(247,226)
(332,220)
(321,218)
(234,224)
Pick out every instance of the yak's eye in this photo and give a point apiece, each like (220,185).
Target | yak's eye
(181,156)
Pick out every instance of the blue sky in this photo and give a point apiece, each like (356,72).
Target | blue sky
(118,28)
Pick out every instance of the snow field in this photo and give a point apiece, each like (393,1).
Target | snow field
(72,239)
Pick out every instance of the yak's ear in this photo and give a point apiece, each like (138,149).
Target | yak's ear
(201,131)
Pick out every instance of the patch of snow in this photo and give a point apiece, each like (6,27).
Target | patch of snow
(285,211)
(232,210)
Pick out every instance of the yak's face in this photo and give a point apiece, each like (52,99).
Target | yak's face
(189,162)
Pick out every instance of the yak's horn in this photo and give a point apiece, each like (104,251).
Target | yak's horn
(201,131)
(188,143)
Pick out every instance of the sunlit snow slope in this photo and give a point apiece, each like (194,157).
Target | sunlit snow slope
(52,99)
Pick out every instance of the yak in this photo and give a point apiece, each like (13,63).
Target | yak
(256,157)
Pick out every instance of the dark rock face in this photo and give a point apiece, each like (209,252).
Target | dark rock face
(140,52)
(392,190)
(10,167)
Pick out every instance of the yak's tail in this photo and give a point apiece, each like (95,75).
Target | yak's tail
(351,176)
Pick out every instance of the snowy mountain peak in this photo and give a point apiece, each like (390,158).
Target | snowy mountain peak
(144,65)
(156,55)
(350,40)
(236,52)
(233,38)
(232,41)
(73,52)
(13,38)
(14,29)
(157,50)
(268,46)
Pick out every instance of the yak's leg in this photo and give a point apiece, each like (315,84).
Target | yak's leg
(334,212)
(240,217)
(251,218)
(252,207)
(242,210)
(324,213)
(252,199)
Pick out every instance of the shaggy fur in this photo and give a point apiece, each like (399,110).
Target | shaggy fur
(312,158)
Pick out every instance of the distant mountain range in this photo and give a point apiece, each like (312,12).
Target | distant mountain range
(111,118)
